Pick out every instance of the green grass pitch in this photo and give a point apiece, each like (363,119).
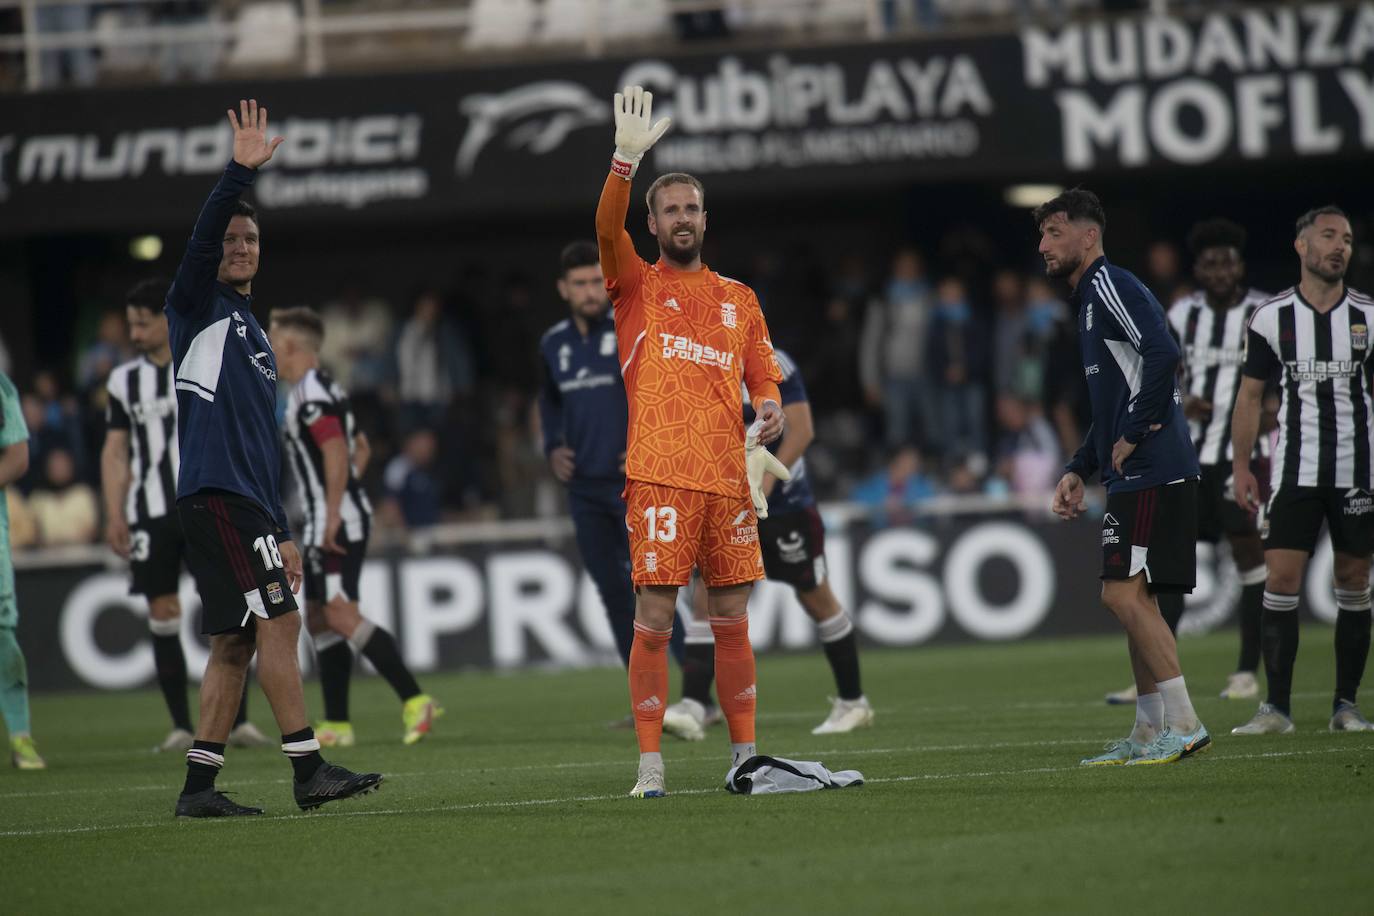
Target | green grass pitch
(974,803)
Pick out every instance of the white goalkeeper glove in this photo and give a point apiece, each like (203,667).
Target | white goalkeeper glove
(757,462)
(633,133)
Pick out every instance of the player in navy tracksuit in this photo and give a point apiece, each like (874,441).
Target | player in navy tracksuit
(584,415)
(1139,442)
(238,546)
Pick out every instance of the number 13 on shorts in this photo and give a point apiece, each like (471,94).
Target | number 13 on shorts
(674,531)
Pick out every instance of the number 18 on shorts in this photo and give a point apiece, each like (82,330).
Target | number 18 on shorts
(674,531)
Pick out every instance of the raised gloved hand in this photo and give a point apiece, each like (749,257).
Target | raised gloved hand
(633,133)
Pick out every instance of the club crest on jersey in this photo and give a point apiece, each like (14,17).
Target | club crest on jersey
(727,314)
(564,357)
(1089,314)
(608,343)
(274,593)
(1359,337)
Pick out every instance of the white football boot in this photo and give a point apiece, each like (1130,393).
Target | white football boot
(1241,686)
(845,716)
(1267,720)
(685,719)
(1349,719)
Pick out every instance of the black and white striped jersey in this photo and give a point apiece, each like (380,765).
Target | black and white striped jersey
(1326,415)
(317,411)
(142,400)
(1213,345)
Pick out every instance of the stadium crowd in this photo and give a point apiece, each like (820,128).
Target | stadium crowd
(921,384)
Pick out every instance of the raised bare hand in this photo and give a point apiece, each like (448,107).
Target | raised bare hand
(252,147)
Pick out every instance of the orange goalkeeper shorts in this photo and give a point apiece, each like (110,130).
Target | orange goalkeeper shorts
(674,531)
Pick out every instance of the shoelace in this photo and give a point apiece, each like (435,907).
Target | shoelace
(1157,743)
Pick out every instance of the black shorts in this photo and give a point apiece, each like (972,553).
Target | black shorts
(793,545)
(156,550)
(1153,531)
(328,574)
(1292,519)
(231,550)
(1218,513)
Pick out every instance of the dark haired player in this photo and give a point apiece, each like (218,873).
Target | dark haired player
(1210,325)
(584,416)
(138,476)
(1316,335)
(1139,443)
(238,546)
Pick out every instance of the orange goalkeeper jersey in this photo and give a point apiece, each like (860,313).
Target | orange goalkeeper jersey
(687,340)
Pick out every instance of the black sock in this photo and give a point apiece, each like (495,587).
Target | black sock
(698,671)
(203,762)
(1251,610)
(843,655)
(1352,649)
(1279,642)
(336,670)
(242,717)
(305,756)
(170,661)
(381,650)
(1171,609)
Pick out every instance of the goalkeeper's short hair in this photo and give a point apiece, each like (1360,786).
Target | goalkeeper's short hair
(663,181)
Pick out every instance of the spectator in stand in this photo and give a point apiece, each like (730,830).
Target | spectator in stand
(354,350)
(1164,272)
(892,351)
(958,376)
(109,349)
(1029,458)
(414,493)
(1064,393)
(891,495)
(1009,332)
(23,526)
(54,422)
(433,364)
(64,507)
(833,361)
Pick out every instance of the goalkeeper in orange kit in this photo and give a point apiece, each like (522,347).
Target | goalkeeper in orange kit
(688,337)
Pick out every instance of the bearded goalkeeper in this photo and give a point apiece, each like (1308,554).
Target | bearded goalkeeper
(688,337)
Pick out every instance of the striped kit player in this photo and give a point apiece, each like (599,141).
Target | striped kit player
(139,464)
(327,454)
(1211,326)
(1314,338)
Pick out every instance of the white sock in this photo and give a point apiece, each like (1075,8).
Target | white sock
(1178,708)
(742,752)
(1149,717)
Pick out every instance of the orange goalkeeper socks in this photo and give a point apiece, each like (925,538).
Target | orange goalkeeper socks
(735,676)
(649,684)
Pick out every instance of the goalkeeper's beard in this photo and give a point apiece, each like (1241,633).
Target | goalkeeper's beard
(679,252)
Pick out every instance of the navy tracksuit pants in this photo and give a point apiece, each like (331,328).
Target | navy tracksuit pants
(598,514)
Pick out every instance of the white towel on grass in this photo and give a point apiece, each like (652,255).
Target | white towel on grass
(774,775)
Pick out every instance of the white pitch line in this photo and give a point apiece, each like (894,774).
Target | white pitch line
(583,764)
(537,802)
